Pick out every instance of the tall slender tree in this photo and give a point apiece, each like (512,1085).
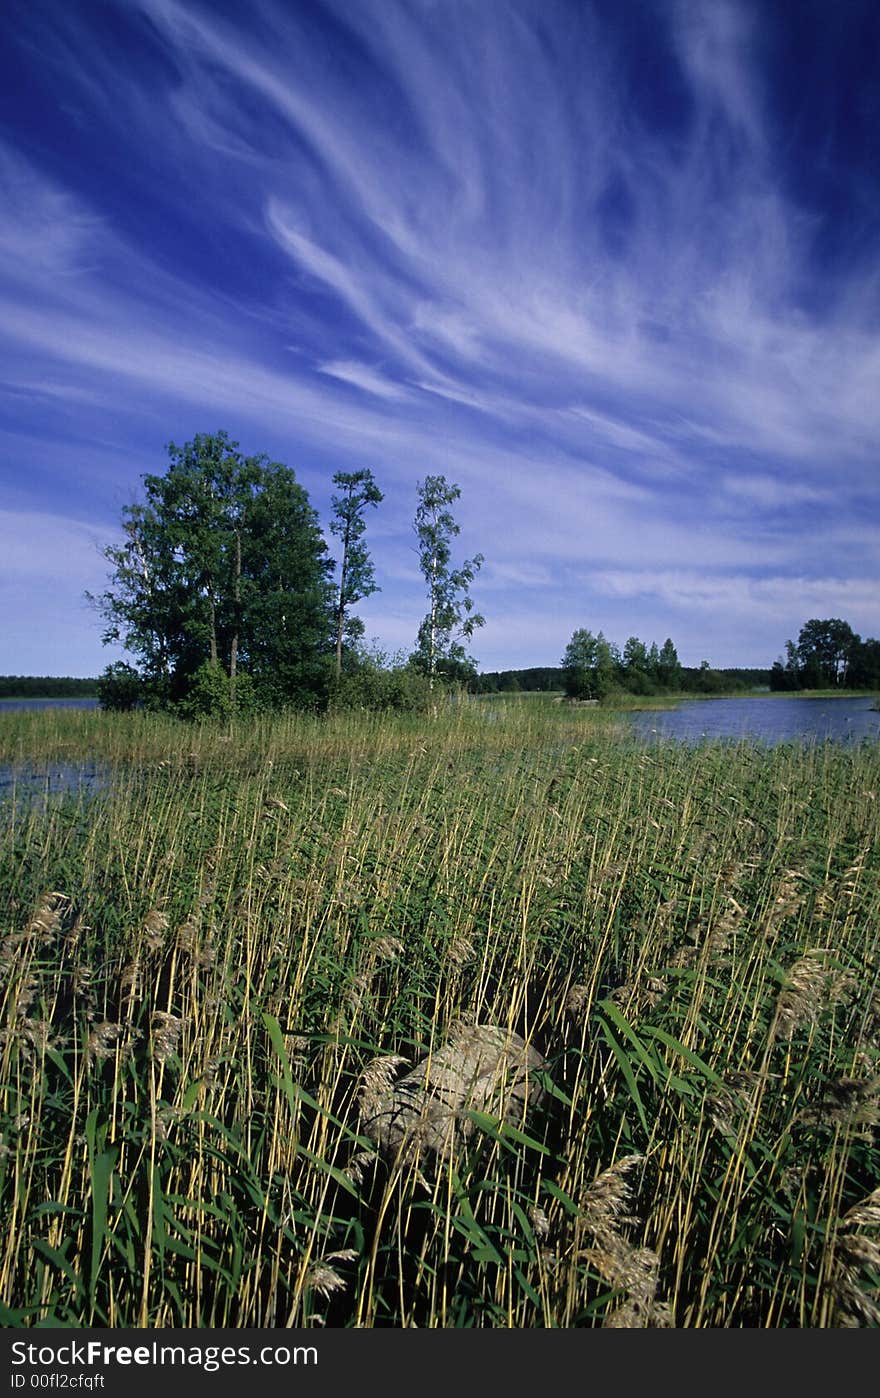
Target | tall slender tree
(451,617)
(356,576)
(669,666)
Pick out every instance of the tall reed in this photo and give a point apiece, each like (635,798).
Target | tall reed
(204,960)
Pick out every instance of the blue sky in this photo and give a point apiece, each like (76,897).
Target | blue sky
(611,267)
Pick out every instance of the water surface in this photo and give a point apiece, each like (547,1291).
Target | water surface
(75,703)
(766,719)
(27,782)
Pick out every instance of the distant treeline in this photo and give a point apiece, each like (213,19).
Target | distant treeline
(544,678)
(46,687)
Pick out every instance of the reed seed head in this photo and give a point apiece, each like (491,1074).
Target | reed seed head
(102,1041)
(165,1030)
(155,924)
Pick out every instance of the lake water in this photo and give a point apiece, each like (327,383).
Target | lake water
(56,778)
(780,719)
(29,784)
(9,704)
(765,719)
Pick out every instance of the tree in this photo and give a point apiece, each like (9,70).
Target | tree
(668,666)
(635,654)
(356,578)
(864,667)
(824,650)
(589,666)
(706,680)
(786,677)
(654,662)
(288,594)
(635,667)
(451,617)
(119,687)
(222,563)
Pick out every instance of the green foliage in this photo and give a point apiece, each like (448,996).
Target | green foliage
(828,655)
(707,681)
(223,562)
(120,687)
(824,649)
(668,666)
(451,617)
(46,687)
(589,665)
(633,678)
(783,678)
(213,694)
(374,682)
(863,671)
(356,574)
(593,667)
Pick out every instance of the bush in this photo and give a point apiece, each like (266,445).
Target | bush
(120,687)
(211,695)
(370,684)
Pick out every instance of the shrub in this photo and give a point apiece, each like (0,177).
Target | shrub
(211,694)
(120,687)
(372,685)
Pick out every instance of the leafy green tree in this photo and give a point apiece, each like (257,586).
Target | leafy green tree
(828,654)
(120,687)
(608,667)
(356,576)
(286,593)
(635,654)
(588,666)
(451,617)
(668,666)
(635,670)
(381,682)
(786,677)
(824,650)
(222,562)
(705,681)
(864,667)
(654,662)
(211,695)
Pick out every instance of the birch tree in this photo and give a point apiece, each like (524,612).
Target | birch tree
(451,617)
(358,489)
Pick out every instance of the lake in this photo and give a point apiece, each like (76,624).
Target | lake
(778,719)
(26,783)
(57,778)
(9,704)
(758,718)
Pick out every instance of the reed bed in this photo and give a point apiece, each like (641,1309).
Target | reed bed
(212,963)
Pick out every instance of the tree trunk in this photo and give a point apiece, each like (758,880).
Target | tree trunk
(340,618)
(233,649)
(432,645)
(213,627)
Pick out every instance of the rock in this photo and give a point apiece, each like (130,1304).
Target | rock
(482,1068)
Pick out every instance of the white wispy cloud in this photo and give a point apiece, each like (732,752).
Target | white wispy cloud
(490,265)
(774,605)
(362,376)
(53,550)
